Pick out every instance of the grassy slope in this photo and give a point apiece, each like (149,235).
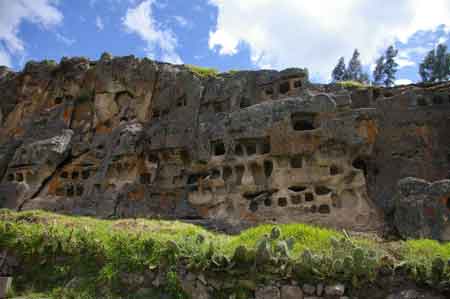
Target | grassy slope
(352,84)
(203,71)
(100,250)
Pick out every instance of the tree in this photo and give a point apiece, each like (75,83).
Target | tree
(441,63)
(390,66)
(427,66)
(354,69)
(378,72)
(338,73)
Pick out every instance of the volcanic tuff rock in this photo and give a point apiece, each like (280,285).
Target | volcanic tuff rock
(128,137)
(422,209)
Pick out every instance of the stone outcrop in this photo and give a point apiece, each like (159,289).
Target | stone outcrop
(422,209)
(128,137)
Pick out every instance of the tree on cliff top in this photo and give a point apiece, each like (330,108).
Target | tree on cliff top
(427,66)
(338,73)
(353,72)
(436,65)
(390,66)
(354,69)
(378,72)
(441,70)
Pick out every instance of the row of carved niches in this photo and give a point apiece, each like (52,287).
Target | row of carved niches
(27,155)
(257,171)
(319,199)
(302,121)
(21,175)
(282,88)
(242,147)
(76,174)
(424,98)
(431,99)
(307,184)
(70,190)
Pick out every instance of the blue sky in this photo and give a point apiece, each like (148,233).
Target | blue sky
(225,34)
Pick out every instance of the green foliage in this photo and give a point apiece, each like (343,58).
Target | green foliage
(348,261)
(50,62)
(173,287)
(426,260)
(378,72)
(427,66)
(390,66)
(435,67)
(92,255)
(386,68)
(354,71)
(202,71)
(441,68)
(352,84)
(233,72)
(338,73)
(425,249)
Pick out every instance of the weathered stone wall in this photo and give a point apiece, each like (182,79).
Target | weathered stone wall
(238,281)
(124,137)
(422,209)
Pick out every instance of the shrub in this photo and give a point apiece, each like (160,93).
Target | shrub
(352,84)
(202,71)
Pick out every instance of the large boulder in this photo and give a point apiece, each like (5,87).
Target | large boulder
(422,209)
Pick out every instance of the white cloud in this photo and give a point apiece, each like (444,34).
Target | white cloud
(139,20)
(404,62)
(182,21)
(314,33)
(403,82)
(65,40)
(407,52)
(405,56)
(13,13)
(99,23)
(442,39)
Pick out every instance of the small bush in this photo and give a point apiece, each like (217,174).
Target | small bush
(352,84)
(202,71)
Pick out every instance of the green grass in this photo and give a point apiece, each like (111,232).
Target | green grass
(352,84)
(53,249)
(305,236)
(425,250)
(233,72)
(202,71)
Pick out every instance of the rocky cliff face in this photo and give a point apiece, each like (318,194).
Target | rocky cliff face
(124,137)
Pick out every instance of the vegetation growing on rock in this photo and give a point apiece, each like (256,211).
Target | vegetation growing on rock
(352,84)
(203,71)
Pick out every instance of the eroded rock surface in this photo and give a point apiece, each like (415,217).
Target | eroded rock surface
(423,209)
(128,137)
